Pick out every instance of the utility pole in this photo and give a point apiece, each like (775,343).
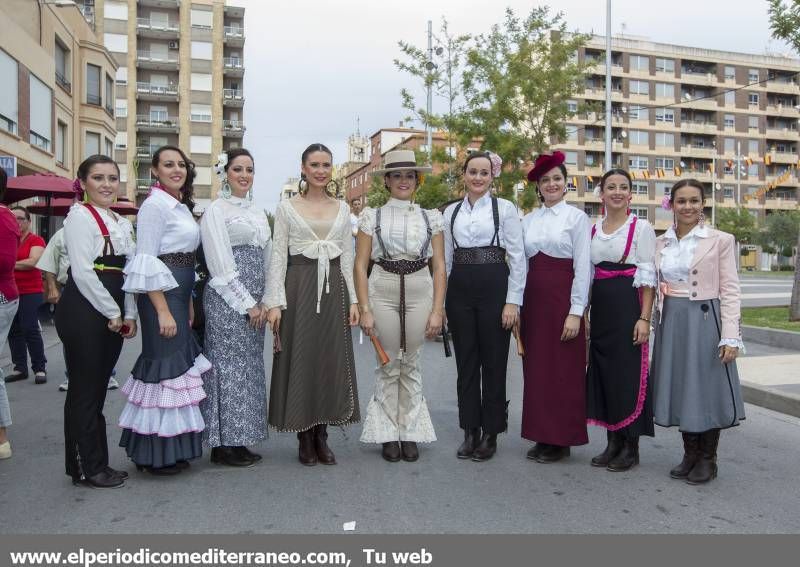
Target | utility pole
(738,174)
(429,107)
(608,85)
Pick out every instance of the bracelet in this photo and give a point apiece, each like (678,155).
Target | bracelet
(439,312)
(643,318)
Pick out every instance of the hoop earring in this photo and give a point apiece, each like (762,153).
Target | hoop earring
(250,195)
(674,221)
(332,192)
(302,185)
(225,190)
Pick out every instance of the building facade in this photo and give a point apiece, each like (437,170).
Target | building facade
(179,82)
(727,119)
(55,106)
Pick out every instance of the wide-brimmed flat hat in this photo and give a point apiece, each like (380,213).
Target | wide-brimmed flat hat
(398,160)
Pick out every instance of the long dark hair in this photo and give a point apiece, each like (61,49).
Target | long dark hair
(233,153)
(316,147)
(691,182)
(478,154)
(187,191)
(86,165)
(616,171)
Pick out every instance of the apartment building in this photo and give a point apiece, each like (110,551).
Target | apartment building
(179,82)
(728,119)
(57,100)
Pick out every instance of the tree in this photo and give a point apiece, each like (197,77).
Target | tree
(785,23)
(738,222)
(780,233)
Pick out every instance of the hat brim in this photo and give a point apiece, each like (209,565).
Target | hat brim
(419,169)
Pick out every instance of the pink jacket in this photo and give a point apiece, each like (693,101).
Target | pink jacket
(713,275)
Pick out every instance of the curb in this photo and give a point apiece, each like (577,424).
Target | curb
(772,337)
(768,398)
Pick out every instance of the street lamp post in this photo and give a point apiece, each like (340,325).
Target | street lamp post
(608,84)
(429,107)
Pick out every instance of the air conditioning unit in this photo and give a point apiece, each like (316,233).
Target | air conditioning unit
(173,45)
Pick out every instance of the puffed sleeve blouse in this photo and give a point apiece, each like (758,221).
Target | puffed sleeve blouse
(403,229)
(164,225)
(84,243)
(227,223)
(293,235)
(611,247)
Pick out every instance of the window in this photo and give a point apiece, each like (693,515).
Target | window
(9,103)
(115,10)
(201,50)
(200,145)
(640,63)
(93,86)
(201,113)
(730,121)
(727,191)
(752,99)
(730,73)
(665,115)
(730,97)
(203,176)
(158,113)
(663,188)
(121,109)
(62,65)
(638,162)
(591,159)
(665,140)
(639,188)
(572,105)
(123,172)
(571,158)
(61,143)
(92,146)
(121,141)
(201,82)
(752,147)
(116,42)
(202,19)
(109,148)
(122,76)
(640,212)
(639,138)
(639,87)
(665,90)
(665,65)
(752,76)
(639,113)
(572,133)
(752,122)
(109,95)
(41,107)
(730,145)
(665,163)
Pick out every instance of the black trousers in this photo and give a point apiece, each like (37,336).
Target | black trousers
(476,294)
(91,352)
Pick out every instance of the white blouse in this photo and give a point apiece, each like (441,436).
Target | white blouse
(54,259)
(164,225)
(563,231)
(293,236)
(84,243)
(474,227)
(227,223)
(403,229)
(611,247)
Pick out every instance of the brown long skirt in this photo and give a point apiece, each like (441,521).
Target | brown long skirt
(314,376)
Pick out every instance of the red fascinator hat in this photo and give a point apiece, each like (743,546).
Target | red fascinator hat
(544,163)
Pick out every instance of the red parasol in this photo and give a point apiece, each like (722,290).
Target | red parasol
(60,207)
(38,185)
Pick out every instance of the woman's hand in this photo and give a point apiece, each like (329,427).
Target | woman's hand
(53,295)
(256,320)
(434,326)
(354,315)
(572,324)
(115,324)
(641,332)
(167,327)
(728,354)
(274,319)
(509,316)
(131,324)
(367,323)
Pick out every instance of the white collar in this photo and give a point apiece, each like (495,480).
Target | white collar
(163,196)
(699,231)
(483,200)
(399,203)
(603,234)
(243,202)
(557,208)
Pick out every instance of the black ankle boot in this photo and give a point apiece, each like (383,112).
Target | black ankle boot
(229,456)
(612,449)
(628,456)
(471,438)
(691,446)
(705,469)
(486,448)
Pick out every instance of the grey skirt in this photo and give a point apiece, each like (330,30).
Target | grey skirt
(314,376)
(235,409)
(692,389)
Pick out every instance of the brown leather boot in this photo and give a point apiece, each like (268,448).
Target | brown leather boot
(410,451)
(612,449)
(471,438)
(486,448)
(628,456)
(691,444)
(307,454)
(705,469)
(324,453)
(391,451)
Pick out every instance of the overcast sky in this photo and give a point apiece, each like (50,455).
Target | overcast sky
(314,66)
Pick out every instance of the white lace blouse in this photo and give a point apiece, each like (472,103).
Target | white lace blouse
(611,247)
(227,223)
(84,243)
(403,229)
(164,225)
(293,236)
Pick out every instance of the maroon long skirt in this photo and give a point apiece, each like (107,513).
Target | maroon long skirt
(554,397)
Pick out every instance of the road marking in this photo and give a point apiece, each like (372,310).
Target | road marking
(766,296)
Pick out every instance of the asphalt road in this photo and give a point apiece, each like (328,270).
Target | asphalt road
(766,291)
(755,492)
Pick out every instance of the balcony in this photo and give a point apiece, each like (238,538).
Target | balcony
(147,151)
(172,4)
(784,157)
(234,8)
(785,133)
(699,151)
(143,186)
(783,110)
(233,128)
(782,204)
(234,36)
(233,66)
(62,82)
(157,61)
(157,123)
(702,104)
(149,91)
(233,97)
(782,86)
(698,127)
(145,27)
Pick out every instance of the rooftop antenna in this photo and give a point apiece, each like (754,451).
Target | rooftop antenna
(623,26)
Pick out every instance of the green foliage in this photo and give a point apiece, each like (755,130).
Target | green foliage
(378,194)
(431,194)
(780,232)
(738,222)
(271,222)
(785,21)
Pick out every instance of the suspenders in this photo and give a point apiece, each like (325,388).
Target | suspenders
(422,249)
(495,215)
(628,243)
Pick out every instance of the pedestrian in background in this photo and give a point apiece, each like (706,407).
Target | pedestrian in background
(26,333)
(618,391)
(557,238)
(402,304)
(312,305)
(9,301)
(486,266)
(698,333)
(93,317)
(237,247)
(162,424)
